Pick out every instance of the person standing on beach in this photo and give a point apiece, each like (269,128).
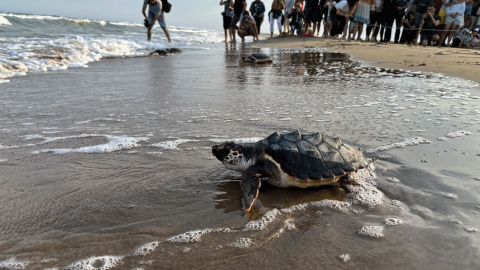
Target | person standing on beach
(387,16)
(257,9)
(313,16)
(227,19)
(289,5)
(276,15)
(361,17)
(453,20)
(400,7)
(239,7)
(155,13)
(375,20)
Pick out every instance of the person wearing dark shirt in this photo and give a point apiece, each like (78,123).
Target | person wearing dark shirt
(420,7)
(257,9)
(400,7)
(227,18)
(239,7)
(296,16)
(427,24)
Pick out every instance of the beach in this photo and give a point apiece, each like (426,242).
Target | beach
(110,166)
(459,62)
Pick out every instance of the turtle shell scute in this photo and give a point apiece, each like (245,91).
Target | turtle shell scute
(312,156)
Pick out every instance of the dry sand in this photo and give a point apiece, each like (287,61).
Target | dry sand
(464,63)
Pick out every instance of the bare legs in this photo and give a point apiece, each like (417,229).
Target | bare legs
(447,34)
(167,34)
(358,28)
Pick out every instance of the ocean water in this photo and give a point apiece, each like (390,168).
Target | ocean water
(39,43)
(110,166)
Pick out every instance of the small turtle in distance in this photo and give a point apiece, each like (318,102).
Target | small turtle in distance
(165,52)
(257,58)
(289,160)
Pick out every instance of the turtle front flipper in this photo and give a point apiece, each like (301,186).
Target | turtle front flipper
(250,184)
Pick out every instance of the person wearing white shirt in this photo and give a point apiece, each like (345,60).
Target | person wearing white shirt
(454,17)
(343,10)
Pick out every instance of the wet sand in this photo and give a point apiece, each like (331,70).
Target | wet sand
(463,63)
(111,166)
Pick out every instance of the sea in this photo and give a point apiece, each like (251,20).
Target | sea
(106,162)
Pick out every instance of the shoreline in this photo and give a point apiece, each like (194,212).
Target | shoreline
(458,62)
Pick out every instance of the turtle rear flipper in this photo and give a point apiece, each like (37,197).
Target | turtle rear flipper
(250,184)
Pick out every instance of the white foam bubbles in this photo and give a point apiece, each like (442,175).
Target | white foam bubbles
(340,206)
(450,195)
(363,189)
(188,237)
(471,229)
(13,264)
(115,143)
(344,257)
(242,243)
(393,221)
(97,263)
(261,224)
(4,21)
(146,249)
(372,231)
(406,142)
(461,133)
(172,145)
(393,180)
(238,140)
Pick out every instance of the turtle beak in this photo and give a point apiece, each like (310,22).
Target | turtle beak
(219,152)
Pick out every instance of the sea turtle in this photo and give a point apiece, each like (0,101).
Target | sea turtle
(174,50)
(164,52)
(257,58)
(289,160)
(161,52)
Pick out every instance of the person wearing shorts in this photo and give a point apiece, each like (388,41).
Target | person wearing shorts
(227,19)
(454,13)
(247,27)
(155,13)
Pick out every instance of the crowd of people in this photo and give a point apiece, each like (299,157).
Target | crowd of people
(426,22)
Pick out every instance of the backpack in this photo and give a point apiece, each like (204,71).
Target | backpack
(166,6)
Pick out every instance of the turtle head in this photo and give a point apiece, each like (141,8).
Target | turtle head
(249,59)
(231,154)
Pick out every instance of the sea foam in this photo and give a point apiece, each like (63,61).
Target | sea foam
(13,264)
(372,231)
(406,142)
(172,145)
(98,263)
(4,21)
(146,249)
(188,237)
(115,143)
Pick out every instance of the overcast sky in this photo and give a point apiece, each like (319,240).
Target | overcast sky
(189,13)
